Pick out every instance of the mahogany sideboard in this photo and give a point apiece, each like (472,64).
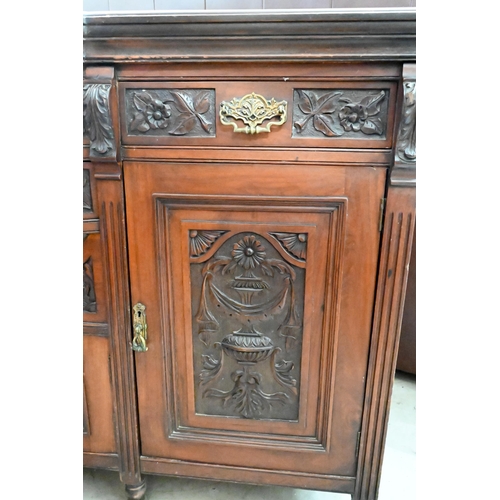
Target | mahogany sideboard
(248,212)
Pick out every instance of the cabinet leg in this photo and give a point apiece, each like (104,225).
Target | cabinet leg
(136,491)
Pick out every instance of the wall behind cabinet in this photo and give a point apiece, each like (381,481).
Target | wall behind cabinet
(100,5)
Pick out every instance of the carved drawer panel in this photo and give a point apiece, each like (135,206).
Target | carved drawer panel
(254,113)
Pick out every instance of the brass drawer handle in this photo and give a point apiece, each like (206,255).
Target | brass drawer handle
(140,328)
(252,110)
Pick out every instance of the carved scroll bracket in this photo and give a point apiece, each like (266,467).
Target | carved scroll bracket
(97,119)
(404,171)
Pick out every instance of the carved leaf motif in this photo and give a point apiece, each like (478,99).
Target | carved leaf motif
(306,102)
(139,123)
(201,102)
(141,101)
(211,368)
(327,103)
(182,101)
(372,103)
(325,124)
(373,126)
(97,119)
(183,124)
(320,110)
(191,109)
(282,374)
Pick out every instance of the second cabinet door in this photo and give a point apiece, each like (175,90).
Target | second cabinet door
(258,282)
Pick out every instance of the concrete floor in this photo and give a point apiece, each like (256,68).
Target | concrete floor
(398,471)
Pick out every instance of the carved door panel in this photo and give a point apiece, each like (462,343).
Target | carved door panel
(258,283)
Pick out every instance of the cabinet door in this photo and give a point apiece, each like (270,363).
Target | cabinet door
(258,282)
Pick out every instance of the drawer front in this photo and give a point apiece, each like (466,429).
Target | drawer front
(299,114)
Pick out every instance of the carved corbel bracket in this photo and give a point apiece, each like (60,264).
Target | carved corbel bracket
(405,160)
(97,115)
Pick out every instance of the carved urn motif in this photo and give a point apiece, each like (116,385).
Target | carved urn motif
(247,347)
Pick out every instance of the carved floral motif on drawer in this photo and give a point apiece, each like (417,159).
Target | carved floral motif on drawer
(340,113)
(174,112)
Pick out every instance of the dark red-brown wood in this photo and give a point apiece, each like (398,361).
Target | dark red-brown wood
(190,218)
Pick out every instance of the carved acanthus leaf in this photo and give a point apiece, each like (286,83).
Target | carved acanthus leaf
(246,397)
(407,138)
(97,119)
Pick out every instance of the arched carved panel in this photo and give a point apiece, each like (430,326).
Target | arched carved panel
(247,308)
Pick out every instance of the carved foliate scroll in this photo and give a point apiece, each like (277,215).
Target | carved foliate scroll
(97,124)
(247,304)
(174,112)
(340,113)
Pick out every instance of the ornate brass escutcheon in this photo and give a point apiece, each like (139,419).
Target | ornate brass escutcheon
(252,109)
(140,328)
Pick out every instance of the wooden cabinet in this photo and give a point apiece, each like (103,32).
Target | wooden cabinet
(248,212)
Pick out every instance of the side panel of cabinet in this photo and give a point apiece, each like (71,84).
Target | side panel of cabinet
(258,283)
(98,426)
(98,431)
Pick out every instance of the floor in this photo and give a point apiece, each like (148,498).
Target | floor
(398,471)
